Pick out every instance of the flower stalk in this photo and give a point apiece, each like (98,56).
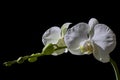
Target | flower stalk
(114,65)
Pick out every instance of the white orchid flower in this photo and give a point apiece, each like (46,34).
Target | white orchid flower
(89,38)
(55,35)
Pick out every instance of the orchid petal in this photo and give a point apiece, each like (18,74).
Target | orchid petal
(64,29)
(58,52)
(52,35)
(92,22)
(75,36)
(105,40)
(100,54)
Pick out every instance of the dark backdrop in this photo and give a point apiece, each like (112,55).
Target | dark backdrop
(22,26)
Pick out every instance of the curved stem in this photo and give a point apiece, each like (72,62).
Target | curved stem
(114,65)
(22,59)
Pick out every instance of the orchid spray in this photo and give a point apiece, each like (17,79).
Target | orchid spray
(81,39)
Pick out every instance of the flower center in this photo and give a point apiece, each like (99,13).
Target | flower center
(61,42)
(86,48)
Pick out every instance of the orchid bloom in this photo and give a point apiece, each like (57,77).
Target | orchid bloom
(81,39)
(90,38)
(55,35)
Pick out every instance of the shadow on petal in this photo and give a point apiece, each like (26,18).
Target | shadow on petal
(100,54)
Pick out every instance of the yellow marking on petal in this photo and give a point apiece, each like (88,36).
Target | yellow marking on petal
(86,48)
(82,49)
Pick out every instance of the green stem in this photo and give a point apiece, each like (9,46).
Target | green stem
(20,60)
(114,65)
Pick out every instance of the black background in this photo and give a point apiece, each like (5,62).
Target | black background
(23,24)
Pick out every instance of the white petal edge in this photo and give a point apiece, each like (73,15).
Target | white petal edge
(58,52)
(105,40)
(64,28)
(92,22)
(52,35)
(75,36)
(100,54)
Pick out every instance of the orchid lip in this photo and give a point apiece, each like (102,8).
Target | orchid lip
(86,47)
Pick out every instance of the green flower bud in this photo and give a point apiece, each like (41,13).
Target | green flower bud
(32,59)
(48,49)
